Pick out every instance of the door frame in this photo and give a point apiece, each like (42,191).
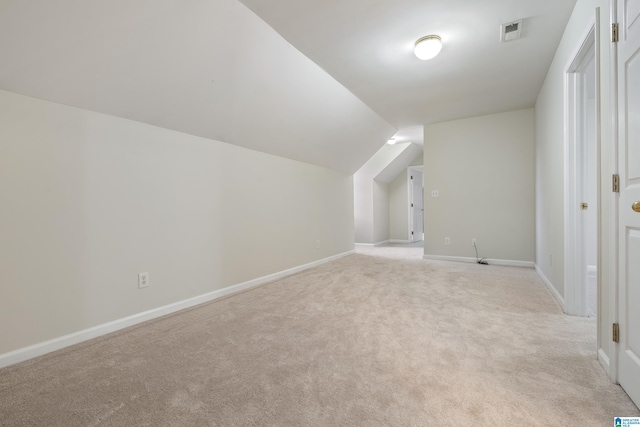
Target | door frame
(575,267)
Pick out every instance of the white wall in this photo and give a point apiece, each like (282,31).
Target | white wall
(363,208)
(483,168)
(550,160)
(399,208)
(380,212)
(88,200)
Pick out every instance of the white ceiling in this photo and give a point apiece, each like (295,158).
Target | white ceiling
(367,46)
(213,68)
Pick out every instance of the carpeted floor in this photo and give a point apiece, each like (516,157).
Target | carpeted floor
(379,338)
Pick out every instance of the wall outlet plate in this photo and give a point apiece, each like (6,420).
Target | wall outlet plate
(143,280)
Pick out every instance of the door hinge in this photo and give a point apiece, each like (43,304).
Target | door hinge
(615,183)
(412,233)
(411,204)
(616,333)
(614,33)
(411,177)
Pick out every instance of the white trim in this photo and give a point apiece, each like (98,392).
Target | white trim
(372,245)
(45,347)
(551,288)
(600,236)
(503,262)
(574,271)
(604,361)
(406,242)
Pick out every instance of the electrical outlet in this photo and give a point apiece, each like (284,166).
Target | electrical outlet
(435,193)
(143,280)
(447,240)
(318,244)
(474,242)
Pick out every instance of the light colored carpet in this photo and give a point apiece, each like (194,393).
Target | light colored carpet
(380,338)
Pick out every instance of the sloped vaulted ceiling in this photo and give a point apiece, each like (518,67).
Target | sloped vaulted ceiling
(211,68)
(214,68)
(367,46)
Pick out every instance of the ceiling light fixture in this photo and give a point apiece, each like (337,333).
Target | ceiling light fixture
(391,141)
(428,47)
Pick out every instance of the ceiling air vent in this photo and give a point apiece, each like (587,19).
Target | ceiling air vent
(510,31)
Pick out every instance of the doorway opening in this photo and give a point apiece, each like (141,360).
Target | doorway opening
(581,181)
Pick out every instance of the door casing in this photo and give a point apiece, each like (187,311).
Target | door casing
(576,132)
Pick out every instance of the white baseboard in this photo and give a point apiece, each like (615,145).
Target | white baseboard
(503,262)
(372,245)
(551,288)
(405,242)
(26,353)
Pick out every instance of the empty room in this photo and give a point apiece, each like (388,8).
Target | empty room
(319,213)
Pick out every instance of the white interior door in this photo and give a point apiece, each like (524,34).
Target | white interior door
(629,219)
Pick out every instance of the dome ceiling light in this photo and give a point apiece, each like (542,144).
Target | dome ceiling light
(428,47)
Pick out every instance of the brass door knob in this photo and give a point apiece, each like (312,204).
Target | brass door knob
(636,206)
(584,206)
